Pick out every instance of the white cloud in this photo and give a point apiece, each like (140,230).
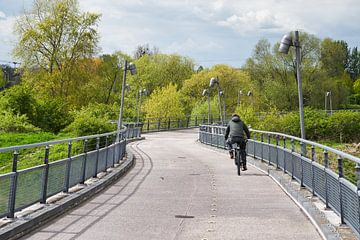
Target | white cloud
(2,15)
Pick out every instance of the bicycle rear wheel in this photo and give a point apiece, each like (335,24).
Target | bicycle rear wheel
(238,161)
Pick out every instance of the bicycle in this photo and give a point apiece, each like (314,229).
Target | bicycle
(239,155)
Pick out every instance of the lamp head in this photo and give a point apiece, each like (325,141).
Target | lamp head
(285,44)
(328,94)
(205,92)
(222,93)
(249,93)
(132,68)
(213,81)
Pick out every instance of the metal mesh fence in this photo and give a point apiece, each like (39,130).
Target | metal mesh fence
(90,164)
(296,161)
(319,181)
(76,170)
(288,162)
(333,190)
(29,187)
(5,183)
(273,154)
(350,204)
(307,173)
(102,160)
(56,177)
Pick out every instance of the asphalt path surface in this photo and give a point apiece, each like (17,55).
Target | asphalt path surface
(181,189)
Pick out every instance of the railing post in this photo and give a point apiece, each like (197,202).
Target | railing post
(13,187)
(254,145)
(262,146)
(178,123)
(107,152)
(269,156)
(68,168)
(196,121)
(46,175)
(277,151)
(312,169)
(98,154)
(83,178)
(148,125)
(158,125)
(292,157)
(284,146)
(301,164)
(326,164)
(341,175)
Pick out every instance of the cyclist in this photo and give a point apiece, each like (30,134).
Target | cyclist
(235,130)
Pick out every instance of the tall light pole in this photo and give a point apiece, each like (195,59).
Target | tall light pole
(206,92)
(132,68)
(250,94)
(328,95)
(222,94)
(285,44)
(238,97)
(213,82)
(141,93)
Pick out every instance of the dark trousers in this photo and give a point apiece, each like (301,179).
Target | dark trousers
(241,143)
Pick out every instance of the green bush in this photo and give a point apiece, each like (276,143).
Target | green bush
(10,122)
(51,115)
(344,126)
(90,120)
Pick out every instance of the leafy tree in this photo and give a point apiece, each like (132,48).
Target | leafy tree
(53,37)
(231,82)
(142,50)
(2,79)
(164,102)
(334,57)
(354,64)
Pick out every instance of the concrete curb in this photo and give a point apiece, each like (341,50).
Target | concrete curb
(30,222)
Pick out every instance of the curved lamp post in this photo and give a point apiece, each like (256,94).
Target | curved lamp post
(132,68)
(213,82)
(285,44)
(141,93)
(240,92)
(222,94)
(328,95)
(206,92)
(250,94)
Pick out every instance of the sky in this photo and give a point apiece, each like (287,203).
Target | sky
(208,31)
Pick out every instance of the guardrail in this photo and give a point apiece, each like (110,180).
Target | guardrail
(57,166)
(328,173)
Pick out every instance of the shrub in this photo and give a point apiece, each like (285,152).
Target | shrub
(10,122)
(90,120)
(344,126)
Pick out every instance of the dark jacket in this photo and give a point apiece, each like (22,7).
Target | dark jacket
(236,128)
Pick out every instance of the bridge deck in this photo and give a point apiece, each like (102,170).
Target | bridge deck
(183,190)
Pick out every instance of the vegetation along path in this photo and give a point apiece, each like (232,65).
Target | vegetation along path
(180,189)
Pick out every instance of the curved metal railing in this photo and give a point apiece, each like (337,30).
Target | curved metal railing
(56,166)
(328,173)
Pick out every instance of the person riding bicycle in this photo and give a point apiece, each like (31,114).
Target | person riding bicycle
(235,130)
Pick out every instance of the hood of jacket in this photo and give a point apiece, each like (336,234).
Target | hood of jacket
(235,119)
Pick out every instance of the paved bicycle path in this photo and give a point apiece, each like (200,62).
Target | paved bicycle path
(180,189)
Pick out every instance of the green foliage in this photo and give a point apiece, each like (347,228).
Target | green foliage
(2,79)
(10,122)
(356,86)
(164,102)
(51,115)
(90,120)
(344,126)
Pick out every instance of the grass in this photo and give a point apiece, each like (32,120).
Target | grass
(30,157)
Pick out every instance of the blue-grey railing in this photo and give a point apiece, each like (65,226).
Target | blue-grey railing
(330,174)
(63,164)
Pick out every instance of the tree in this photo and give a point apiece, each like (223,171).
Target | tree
(53,37)
(354,64)
(334,57)
(142,50)
(164,102)
(2,79)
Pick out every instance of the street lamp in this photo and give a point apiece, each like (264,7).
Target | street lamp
(328,94)
(222,94)
(132,68)
(206,92)
(238,99)
(213,82)
(285,44)
(250,94)
(141,92)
